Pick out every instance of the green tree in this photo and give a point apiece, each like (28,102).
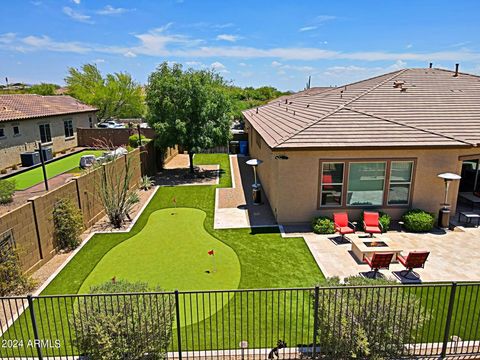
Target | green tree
(188,108)
(115,95)
(43,89)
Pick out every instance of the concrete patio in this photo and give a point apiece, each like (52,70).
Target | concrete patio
(234,206)
(454,255)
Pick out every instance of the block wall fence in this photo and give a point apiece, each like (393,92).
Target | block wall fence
(32,223)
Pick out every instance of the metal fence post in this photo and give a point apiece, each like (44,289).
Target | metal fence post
(449,320)
(34,326)
(177,315)
(315,320)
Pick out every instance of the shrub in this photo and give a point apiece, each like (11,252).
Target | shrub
(130,327)
(348,333)
(7,189)
(323,225)
(146,182)
(68,224)
(418,220)
(3,171)
(133,140)
(12,279)
(385,220)
(14,167)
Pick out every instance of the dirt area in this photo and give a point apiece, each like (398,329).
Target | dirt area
(176,173)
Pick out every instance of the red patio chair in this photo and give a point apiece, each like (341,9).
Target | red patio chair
(342,225)
(379,261)
(414,260)
(371,223)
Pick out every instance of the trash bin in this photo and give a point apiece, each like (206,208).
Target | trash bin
(444,218)
(234,147)
(244,147)
(257,194)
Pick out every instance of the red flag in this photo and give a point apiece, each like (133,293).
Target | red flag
(211,252)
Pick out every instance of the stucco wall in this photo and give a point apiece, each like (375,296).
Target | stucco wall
(12,145)
(292,185)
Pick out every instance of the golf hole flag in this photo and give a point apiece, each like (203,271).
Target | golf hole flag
(212,254)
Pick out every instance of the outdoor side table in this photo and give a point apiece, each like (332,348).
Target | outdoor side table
(469,216)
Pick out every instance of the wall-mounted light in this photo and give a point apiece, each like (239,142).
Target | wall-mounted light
(281,157)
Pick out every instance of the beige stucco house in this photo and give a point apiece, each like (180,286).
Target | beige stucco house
(374,144)
(26,120)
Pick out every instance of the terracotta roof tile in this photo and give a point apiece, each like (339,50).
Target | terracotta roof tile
(27,106)
(431,107)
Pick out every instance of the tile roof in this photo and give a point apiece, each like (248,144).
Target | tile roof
(410,107)
(28,106)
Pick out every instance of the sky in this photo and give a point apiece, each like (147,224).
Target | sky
(250,43)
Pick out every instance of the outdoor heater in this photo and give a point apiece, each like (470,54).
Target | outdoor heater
(444,214)
(256,187)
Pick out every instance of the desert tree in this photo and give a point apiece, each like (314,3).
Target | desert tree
(188,108)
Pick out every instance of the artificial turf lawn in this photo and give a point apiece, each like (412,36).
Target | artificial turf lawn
(34,176)
(171,251)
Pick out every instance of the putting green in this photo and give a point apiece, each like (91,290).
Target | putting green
(35,176)
(171,251)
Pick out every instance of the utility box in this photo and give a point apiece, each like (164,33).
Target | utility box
(30,158)
(47,153)
(234,147)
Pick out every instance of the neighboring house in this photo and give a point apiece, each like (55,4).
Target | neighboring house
(26,120)
(378,143)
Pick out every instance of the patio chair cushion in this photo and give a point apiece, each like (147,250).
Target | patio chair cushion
(379,261)
(373,230)
(344,230)
(414,260)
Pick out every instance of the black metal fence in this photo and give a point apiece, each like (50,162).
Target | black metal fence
(427,320)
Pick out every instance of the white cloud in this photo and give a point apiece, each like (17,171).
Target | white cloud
(218,66)
(76,2)
(228,37)
(324,18)
(36,3)
(130,54)
(307,28)
(243,64)
(110,10)
(7,38)
(45,43)
(193,63)
(276,63)
(75,15)
(409,46)
(98,61)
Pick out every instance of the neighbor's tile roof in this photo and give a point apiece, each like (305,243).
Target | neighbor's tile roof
(27,106)
(432,107)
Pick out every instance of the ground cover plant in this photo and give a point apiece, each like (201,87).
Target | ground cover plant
(7,189)
(35,176)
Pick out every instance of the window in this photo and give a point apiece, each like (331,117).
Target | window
(400,182)
(2,132)
(16,130)
(366,181)
(68,127)
(90,122)
(331,184)
(45,135)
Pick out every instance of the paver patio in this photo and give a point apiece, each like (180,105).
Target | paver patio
(454,255)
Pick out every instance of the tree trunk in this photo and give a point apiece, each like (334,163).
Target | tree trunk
(190,157)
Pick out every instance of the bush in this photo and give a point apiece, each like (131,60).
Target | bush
(133,140)
(348,333)
(12,279)
(68,224)
(14,167)
(3,171)
(418,220)
(7,189)
(323,225)
(130,327)
(146,183)
(383,219)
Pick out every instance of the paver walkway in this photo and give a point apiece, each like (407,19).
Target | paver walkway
(234,206)
(454,255)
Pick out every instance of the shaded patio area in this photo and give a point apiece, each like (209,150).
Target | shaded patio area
(454,255)
(234,206)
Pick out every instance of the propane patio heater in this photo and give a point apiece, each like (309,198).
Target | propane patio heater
(256,187)
(444,214)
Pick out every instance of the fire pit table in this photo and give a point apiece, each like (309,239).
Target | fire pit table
(364,246)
